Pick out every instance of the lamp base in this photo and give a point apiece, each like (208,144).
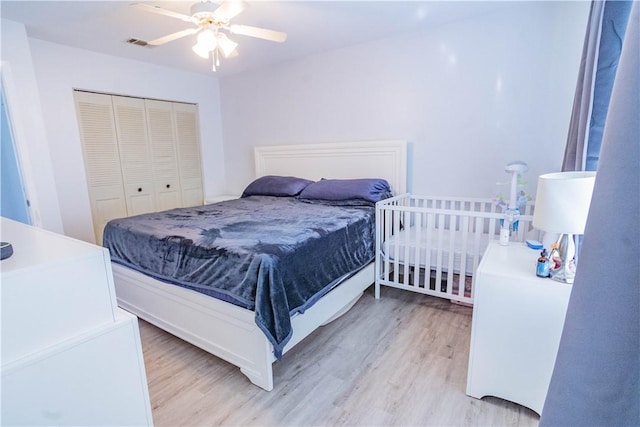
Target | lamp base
(565,275)
(567,270)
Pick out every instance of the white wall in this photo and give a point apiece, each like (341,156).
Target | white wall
(60,69)
(25,114)
(469,97)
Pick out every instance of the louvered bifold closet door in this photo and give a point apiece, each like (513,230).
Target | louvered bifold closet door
(101,159)
(188,143)
(164,158)
(135,154)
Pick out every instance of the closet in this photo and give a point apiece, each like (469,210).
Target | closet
(140,155)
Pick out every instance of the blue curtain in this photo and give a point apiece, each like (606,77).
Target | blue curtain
(614,25)
(600,55)
(602,46)
(575,149)
(596,379)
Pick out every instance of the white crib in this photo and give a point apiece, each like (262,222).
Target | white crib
(433,245)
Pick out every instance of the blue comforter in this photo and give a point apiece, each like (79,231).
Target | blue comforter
(273,255)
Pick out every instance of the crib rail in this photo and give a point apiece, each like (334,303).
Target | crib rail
(433,245)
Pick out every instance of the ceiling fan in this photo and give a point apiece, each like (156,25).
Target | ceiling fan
(210,19)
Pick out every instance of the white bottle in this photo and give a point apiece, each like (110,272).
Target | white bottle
(504,236)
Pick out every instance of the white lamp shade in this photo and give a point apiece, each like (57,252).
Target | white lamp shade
(226,45)
(562,202)
(200,50)
(207,39)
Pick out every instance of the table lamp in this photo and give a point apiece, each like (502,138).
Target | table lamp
(562,206)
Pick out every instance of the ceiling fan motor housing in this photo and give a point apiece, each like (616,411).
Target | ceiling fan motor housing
(204,11)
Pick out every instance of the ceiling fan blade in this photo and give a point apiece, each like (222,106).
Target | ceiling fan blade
(172,37)
(229,8)
(161,11)
(261,33)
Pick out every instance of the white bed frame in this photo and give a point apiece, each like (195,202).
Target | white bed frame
(229,331)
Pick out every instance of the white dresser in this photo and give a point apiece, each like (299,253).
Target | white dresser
(516,327)
(70,356)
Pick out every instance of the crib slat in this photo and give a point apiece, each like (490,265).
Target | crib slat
(406,247)
(396,247)
(428,250)
(477,239)
(417,251)
(453,224)
(463,255)
(440,239)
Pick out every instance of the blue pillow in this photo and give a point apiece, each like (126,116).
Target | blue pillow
(367,190)
(271,185)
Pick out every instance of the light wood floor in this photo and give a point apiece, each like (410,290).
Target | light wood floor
(398,361)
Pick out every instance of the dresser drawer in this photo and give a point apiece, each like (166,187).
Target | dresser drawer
(95,379)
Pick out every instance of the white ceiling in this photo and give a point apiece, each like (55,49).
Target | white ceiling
(312,27)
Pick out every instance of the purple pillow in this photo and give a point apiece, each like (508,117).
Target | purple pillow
(369,190)
(271,185)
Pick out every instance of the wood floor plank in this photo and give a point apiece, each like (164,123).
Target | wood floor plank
(401,360)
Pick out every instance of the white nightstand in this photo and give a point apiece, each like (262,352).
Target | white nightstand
(516,327)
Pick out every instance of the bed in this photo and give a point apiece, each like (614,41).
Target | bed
(229,330)
(433,245)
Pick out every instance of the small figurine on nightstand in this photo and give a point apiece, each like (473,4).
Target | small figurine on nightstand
(555,261)
(542,268)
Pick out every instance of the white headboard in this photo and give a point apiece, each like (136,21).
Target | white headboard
(344,160)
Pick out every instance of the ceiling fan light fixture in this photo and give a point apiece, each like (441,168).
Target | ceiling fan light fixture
(210,17)
(200,50)
(207,39)
(226,45)
(207,42)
